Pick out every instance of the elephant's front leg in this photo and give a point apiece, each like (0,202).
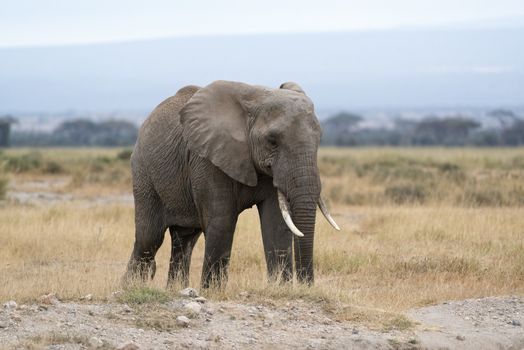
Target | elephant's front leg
(182,243)
(277,239)
(219,240)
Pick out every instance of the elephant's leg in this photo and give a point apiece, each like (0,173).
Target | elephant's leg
(277,239)
(182,243)
(149,235)
(219,240)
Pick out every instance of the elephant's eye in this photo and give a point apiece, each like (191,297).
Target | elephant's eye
(272,140)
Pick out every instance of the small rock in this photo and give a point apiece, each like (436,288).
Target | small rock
(267,323)
(193,307)
(129,346)
(3,324)
(96,342)
(461,337)
(354,331)
(10,305)
(182,321)
(90,312)
(87,297)
(188,293)
(516,323)
(413,341)
(49,299)
(117,293)
(214,337)
(243,294)
(127,309)
(201,300)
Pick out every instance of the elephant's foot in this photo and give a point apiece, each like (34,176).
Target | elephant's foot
(215,275)
(139,272)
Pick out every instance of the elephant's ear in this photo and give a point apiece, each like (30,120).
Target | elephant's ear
(215,126)
(292,86)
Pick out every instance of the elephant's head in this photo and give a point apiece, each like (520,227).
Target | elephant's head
(248,130)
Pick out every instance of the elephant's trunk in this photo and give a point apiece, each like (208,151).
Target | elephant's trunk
(303,190)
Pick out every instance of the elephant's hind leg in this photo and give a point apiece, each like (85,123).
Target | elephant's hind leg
(183,241)
(149,235)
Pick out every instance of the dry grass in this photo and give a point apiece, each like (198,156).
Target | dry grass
(387,258)
(463,177)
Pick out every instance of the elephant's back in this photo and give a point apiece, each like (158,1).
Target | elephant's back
(160,145)
(166,113)
(162,126)
(172,105)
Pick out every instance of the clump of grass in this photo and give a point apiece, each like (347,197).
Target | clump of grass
(397,323)
(124,154)
(402,194)
(3,185)
(425,264)
(56,339)
(483,197)
(24,162)
(53,168)
(144,295)
(371,317)
(157,318)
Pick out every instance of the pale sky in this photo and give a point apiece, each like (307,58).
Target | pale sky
(59,22)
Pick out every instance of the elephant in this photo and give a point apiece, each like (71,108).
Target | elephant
(206,154)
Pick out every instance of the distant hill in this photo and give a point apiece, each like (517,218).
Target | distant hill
(467,67)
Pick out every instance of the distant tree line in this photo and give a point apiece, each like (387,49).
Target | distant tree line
(5,129)
(81,132)
(343,129)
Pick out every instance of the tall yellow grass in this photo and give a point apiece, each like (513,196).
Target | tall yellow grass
(387,257)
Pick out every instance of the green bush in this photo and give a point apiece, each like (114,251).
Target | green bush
(24,163)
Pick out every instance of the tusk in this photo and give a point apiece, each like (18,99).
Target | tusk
(284,208)
(325,211)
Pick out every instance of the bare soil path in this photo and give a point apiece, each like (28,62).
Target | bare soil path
(488,323)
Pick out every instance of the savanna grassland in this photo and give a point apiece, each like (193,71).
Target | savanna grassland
(419,226)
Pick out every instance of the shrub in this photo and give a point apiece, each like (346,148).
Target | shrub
(124,154)
(3,185)
(144,295)
(52,167)
(401,194)
(24,163)
(484,197)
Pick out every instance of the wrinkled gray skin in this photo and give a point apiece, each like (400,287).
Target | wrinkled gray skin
(205,155)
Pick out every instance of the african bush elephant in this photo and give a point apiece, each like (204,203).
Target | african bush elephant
(205,155)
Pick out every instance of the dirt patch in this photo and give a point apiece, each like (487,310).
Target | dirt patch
(199,324)
(48,190)
(488,323)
